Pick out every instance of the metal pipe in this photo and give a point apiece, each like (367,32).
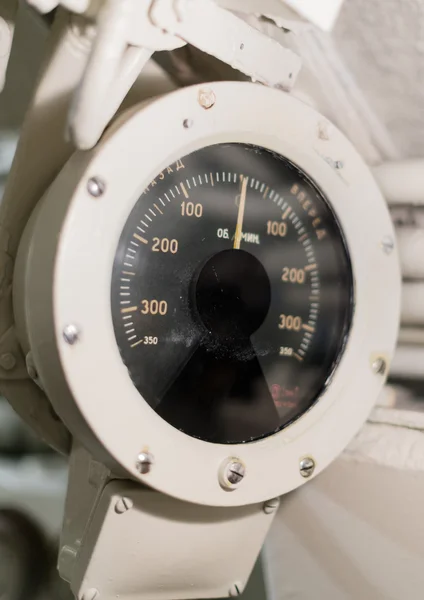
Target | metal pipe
(408,362)
(411,335)
(412,312)
(411,251)
(402,182)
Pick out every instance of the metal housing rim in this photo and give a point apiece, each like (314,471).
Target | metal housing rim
(153,137)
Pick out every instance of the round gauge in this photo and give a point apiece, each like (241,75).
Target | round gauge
(231,293)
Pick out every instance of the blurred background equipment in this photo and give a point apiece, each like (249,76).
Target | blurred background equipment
(25,559)
(32,494)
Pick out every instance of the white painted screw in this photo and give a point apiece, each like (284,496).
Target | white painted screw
(70,334)
(307,467)
(235,590)
(91,594)
(388,244)
(144,462)
(207,98)
(123,504)
(187,123)
(271,506)
(96,187)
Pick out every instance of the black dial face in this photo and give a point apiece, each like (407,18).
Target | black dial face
(231,293)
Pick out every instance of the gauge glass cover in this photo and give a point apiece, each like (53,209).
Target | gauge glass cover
(231,293)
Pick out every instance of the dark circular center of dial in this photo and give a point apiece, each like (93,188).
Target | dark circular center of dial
(233,295)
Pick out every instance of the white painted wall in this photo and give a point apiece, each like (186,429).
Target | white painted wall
(382,44)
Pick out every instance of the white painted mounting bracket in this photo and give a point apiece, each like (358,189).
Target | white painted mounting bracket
(121,539)
(166,548)
(220,33)
(129,31)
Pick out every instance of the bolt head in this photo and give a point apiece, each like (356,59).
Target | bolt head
(379,366)
(96,187)
(388,244)
(144,462)
(235,472)
(307,467)
(7,361)
(123,504)
(206,98)
(235,590)
(232,473)
(71,334)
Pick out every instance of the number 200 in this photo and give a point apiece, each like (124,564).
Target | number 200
(165,245)
(293,275)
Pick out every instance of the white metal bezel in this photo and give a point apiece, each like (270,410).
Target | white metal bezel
(127,160)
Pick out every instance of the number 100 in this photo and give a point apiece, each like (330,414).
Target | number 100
(189,209)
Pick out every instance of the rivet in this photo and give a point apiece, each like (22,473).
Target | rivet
(379,366)
(307,467)
(96,187)
(70,334)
